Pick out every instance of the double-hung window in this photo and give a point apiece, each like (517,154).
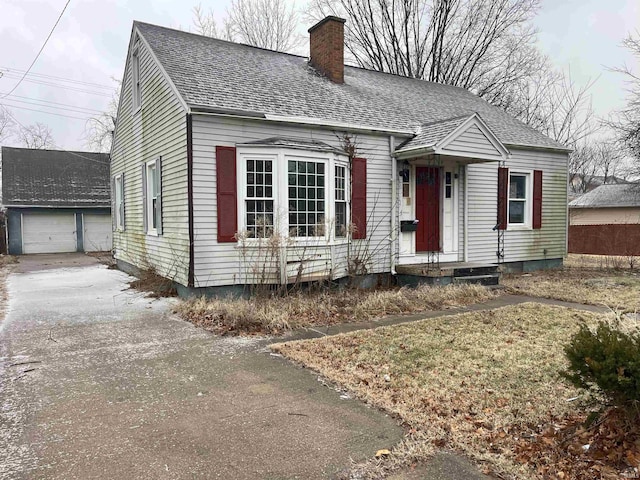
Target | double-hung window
(519,199)
(119,202)
(259,200)
(152,196)
(306,187)
(340,191)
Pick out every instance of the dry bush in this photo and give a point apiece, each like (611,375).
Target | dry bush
(153,284)
(8,260)
(277,314)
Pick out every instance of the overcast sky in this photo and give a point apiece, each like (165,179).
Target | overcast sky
(89,46)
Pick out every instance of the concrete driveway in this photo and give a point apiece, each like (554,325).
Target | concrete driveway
(97,381)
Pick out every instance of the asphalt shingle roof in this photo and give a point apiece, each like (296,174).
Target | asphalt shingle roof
(613,195)
(217,74)
(55,178)
(431,133)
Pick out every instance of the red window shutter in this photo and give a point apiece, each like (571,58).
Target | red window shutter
(359,197)
(226,194)
(503,197)
(537,199)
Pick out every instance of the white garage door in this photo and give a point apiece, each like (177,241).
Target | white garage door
(48,232)
(97,232)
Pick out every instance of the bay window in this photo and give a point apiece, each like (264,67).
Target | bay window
(300,195)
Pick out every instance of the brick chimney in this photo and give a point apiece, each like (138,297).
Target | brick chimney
(327,48)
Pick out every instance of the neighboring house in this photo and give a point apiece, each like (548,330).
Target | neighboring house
(234,165)
(56,201)
(606,221)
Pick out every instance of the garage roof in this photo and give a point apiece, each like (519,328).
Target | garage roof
(54,178)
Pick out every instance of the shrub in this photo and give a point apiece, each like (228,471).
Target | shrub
(607,357)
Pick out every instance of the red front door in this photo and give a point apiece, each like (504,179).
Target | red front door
(428,209)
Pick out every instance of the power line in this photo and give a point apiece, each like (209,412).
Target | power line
(16,71)
(40,51)
(44,111)
(54,145)
(54,105)
(57,85)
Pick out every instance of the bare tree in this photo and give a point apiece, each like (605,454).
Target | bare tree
(37,135)
(593,163)
(99,130)
(582,168)
(478,45)
(270,24)
(557,107)
(7,123)
(626,122)
(205,23)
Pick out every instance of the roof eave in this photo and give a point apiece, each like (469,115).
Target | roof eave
(542,148)
(315,122)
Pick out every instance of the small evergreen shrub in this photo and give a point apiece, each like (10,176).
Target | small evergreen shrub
(607,358)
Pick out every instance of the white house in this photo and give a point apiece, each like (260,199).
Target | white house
(233,164)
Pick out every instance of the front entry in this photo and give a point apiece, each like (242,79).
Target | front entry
(428,209)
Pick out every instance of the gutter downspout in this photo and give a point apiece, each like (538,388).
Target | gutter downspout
(567,222)
(394,209)
(465,225)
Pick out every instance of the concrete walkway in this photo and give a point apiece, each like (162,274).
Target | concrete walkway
(500,301)
(97,381)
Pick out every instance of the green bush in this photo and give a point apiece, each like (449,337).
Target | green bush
(607,358)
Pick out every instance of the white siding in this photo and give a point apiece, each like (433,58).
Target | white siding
(222,264)
(474,142)
(157,129)
(604,216)
(547,242)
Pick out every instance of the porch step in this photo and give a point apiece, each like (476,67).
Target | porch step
(486,280)
(459,272)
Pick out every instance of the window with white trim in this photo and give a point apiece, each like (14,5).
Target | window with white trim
(301,195)
(519,199)
(306,198)
(135,76)
(152,197)
(259,200)
(119,203)
(340,201)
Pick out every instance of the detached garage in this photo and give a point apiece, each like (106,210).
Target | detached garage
(56,201)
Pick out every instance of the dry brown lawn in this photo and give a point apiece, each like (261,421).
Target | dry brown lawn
(274,315)
(470,382)
(581,281)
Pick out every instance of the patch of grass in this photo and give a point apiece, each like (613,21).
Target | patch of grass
(616,290)
(277,314)
(601,262)
(460,382)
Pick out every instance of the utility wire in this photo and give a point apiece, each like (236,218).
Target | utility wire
(52,105)
(43,111)
(39,52)
(15,71)
(57,85)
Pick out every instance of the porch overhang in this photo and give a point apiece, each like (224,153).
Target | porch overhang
(467,138)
